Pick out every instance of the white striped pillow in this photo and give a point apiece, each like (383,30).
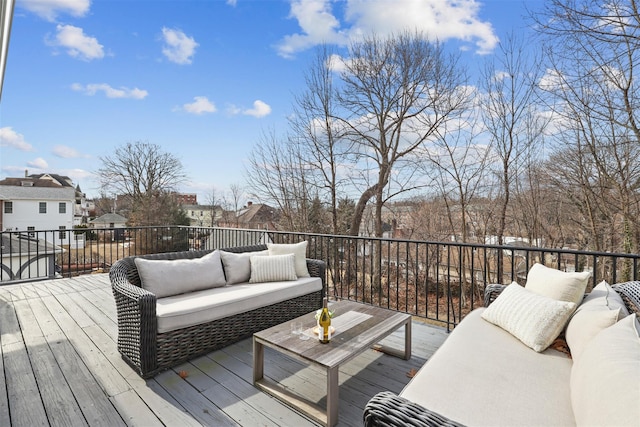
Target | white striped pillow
(273,268)
(534,319)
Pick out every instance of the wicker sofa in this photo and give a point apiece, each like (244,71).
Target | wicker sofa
(149,349)
(483,375)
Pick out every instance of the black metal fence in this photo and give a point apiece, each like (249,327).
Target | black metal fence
(438,281)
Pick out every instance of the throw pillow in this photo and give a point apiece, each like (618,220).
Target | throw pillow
(534,319)
(164,278)
(600,309)
(298,249)
(605,380)
(556,284)
(604,295)
(273,268)
(237,266)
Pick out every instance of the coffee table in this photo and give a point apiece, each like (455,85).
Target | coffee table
(358,327)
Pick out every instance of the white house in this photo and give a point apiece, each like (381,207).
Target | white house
(29,208)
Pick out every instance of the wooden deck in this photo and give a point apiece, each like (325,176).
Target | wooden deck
(60,367)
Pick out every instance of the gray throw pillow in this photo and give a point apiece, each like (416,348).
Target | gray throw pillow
(237,267)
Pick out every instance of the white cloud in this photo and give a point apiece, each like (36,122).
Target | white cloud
(178,47)
(260,109)
(318,25)
(437,19)
(49,9)
(67,152)
(200,105)
(232,2)
(77,44)
(10,138)
(110,92)
(38,163)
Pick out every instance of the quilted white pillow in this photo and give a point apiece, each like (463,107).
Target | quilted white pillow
(600,309)
(605,380)
(557,284)
(298,249)
(273,268)
(534,319)
(164,278)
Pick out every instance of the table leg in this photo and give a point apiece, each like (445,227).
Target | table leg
(258,361)
(332,396)
(407,340)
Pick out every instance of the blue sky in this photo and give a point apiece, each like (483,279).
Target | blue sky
(204,79)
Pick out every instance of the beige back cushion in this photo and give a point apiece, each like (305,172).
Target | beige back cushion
(298,249)
(172,277)
(605,379)
(600,309)
(556,284)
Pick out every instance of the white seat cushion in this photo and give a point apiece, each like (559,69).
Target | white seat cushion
(484,376)
(181,311)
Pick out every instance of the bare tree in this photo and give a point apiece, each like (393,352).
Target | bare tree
(593,50)
(278,173)
(145,174)
(395,94)
(513,118)
(318,135)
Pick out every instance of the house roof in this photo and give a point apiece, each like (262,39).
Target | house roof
(11,192)
(20,243)
(109,218)
(257,212)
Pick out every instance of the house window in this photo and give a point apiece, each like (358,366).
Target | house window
(31,231)
(8,207)
(62,207)
(43,207)
(62,234)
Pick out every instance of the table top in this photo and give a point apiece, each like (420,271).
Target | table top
(357,327)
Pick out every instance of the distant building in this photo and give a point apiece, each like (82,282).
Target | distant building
(117,224)
(186,199)
(203,215)
(42,188)
(254,216)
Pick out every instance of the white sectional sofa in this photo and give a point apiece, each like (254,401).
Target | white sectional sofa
(175,306)
(497,367)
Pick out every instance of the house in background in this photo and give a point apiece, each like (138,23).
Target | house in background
(113,221)
(256,216)
(38,202)
(203,215)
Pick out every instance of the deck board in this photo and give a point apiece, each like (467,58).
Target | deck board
(59,365)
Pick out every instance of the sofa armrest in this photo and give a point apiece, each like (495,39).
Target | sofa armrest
(137,324)
(388,409)
(491,292)
(630,294)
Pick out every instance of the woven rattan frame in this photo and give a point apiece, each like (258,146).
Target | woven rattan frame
(150,352)
(387,409)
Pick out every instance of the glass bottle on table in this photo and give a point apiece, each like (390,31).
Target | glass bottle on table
(324,321)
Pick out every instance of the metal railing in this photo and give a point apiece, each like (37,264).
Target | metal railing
(438,281)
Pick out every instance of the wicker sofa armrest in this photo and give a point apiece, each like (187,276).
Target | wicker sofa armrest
(318,268)
(630,293)
(491,292)
(137,324)
(388,409)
